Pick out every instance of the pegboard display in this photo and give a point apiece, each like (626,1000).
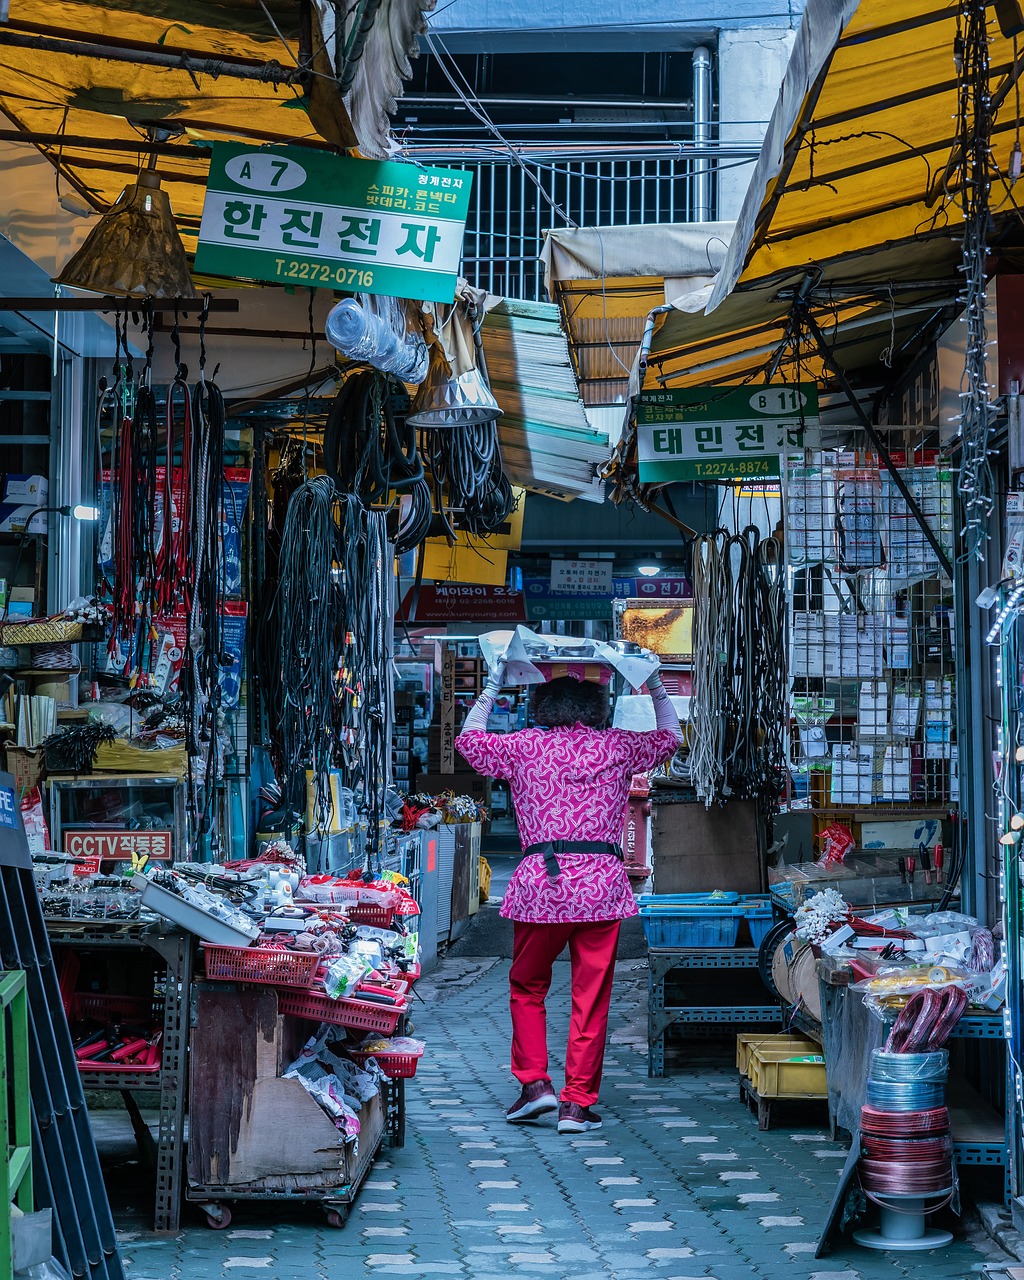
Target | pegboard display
(872,636)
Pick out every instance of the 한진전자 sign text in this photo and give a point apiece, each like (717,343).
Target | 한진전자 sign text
(293,216)
(721,433)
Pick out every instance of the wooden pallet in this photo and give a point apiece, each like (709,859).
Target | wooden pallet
(761,1106)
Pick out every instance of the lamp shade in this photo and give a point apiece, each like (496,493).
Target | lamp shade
(135,249)
(445,401)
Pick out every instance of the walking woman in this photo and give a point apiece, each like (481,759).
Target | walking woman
(570,780)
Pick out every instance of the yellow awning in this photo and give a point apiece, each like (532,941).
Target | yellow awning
(854,197)
(89,80)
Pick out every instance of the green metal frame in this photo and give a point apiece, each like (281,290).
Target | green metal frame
(16,1130)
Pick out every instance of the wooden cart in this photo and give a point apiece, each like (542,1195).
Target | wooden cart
(254,1135)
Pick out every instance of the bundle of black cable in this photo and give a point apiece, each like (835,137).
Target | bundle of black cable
(467,468)
(312,607)
(369,451)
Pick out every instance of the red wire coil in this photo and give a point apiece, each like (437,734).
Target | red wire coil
(904,1124)
(907,1150)
(905,1179)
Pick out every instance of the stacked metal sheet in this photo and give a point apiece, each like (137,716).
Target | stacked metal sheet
(548,444)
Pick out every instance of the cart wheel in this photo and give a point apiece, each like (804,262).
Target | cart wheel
(337,1217)
(218,1216)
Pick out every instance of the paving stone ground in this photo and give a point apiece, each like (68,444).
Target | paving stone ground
(678,1185)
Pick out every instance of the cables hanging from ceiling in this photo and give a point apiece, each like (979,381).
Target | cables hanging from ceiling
(738,699)
(370,451)
(336,588)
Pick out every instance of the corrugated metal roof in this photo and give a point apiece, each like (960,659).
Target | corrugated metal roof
(548,443)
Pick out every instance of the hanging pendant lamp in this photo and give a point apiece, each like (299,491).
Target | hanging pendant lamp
(444,401)
(135,249)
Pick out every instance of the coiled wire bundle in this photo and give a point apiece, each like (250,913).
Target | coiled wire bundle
(906,1148)
(335,603)
(906,1068)
(372,453)
(905,1095)
(738,699)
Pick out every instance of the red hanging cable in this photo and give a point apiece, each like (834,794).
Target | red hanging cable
(173,560)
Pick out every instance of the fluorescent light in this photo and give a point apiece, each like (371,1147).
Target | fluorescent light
(82,512)
(648,570)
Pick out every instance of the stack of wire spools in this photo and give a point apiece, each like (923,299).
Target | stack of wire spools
(906,1165)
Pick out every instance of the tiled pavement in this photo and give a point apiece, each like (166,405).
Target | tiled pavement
(679,1184)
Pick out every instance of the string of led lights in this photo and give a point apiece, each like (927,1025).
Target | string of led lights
(974,170)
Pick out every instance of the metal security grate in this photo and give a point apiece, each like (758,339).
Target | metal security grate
(509,215)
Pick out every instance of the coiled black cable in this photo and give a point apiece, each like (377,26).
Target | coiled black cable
(371,452)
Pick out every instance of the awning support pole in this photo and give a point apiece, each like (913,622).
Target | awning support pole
(805,315)
(271,72)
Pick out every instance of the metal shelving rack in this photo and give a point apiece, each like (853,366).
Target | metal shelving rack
(661,1016)
(176,948)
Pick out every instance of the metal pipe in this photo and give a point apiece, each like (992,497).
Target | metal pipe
(825,351)
(187,306)
(271,72)
(701,132)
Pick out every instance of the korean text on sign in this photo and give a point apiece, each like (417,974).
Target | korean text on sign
(293,216)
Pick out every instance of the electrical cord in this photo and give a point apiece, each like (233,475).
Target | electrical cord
(738,701)
(370,451)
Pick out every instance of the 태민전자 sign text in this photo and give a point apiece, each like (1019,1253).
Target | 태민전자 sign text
(288,215)
(721,433)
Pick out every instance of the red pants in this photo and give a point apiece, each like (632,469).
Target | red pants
(592,953)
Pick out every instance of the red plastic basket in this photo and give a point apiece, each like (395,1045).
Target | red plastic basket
(107,1007)
(396,1066)
(372,914)
(110,1067)
(341,1013)
(270,966)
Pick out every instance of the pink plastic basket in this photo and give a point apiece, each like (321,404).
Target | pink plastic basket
(396,1066)
(341,1013)
(269,966)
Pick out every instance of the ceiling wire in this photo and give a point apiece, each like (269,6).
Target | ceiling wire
(475,107)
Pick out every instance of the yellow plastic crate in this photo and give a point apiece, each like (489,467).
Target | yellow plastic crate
(774,1074)
(751,1040)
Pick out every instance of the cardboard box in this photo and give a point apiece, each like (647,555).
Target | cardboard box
(20,496)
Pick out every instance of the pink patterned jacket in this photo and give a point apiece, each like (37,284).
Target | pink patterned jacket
(568,784)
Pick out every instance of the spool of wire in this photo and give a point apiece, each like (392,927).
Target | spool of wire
(936,1147)
(908,1095)
(905,1068)
(904,1124)
(903,1178)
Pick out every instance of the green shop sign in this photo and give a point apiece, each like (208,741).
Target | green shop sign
(293,216)
(721,433)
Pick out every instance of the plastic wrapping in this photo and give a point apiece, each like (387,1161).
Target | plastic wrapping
(851,1034)
(902,1067)
(51,1270)
(374,330)
(908,1095)
(907,980)
(343,975)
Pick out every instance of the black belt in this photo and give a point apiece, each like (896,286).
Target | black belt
(552,848)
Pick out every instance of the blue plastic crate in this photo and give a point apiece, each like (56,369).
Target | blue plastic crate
(759,921)
(695,926)
(719,897)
